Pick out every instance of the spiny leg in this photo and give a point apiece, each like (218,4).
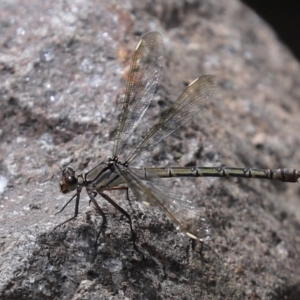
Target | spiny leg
(130,202)
(101,212)
(110,189)
(125,213)
(76,208)
(128,199)
(127,196)
(118,189)
(66,205)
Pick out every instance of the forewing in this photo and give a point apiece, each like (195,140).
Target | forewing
(187,105)
(142,82)
(182,211)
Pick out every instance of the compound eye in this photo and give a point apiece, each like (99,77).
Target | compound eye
(68,180)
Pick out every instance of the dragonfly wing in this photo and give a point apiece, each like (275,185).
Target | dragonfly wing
(184,108)
(142,82)
(185,214)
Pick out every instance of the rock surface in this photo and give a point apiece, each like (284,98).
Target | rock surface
(63,68)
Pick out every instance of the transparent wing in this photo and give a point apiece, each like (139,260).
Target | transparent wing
(185,214)
(186,106)
(142,81)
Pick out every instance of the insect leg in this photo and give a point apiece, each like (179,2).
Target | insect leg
(76,208)
(125,213)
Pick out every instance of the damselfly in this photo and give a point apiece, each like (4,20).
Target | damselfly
(114,173)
